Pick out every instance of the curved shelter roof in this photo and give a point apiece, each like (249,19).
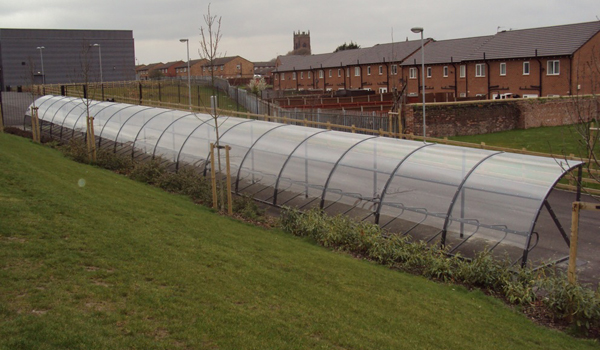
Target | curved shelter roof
(468,198)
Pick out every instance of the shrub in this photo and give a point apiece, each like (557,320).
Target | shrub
(148,172)
(573,302)
(484,271)
(109,160)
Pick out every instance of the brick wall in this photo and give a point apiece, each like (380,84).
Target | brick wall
(482,117)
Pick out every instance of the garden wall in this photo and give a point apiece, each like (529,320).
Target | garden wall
(482,117)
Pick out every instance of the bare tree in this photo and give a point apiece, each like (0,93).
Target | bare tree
(209,50)
(87,97)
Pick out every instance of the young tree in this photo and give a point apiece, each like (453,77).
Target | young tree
(88,94)
(209,50)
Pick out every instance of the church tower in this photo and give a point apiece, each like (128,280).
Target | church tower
(302,43)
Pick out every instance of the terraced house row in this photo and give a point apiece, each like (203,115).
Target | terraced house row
(549,61)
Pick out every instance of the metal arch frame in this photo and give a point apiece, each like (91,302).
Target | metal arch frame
(237,178)
(288,159)
(225,132)
(186,140)
(125,123)
(100,140)
(52,104)
(165,131)
(77,120)
(108,120)
(322,204)
(389,180)
(539,210)
(50,98)
(75,105)
(458,190)
(142,127)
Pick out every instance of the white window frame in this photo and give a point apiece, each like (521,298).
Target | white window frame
(308,75)
(502,69)
(330,73)
(553,67)
(526,68)
(394,69)
(339,72)
(480,70)
(380,70)
(301,75)
(429,70)
(463,71)
(445,71)
(412,73)
(282,76)
(321,74)
(347,72)
(368,70)
(293,75)
(357,71)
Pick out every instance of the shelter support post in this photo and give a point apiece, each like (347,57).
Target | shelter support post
(557,222)
(577,207)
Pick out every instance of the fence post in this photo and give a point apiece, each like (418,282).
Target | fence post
(229,197)
(141,89)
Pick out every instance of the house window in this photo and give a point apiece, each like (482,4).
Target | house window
(321,74)
(308,74)
(480,70)
(553,67)
(347,72)
(301,75)
(412,73)
(368,70)
(339,72)
(394,69)
(204,69)
(294,76)
(380,70)
(330,73)
(357,71)
(222,68)
(526,68)
(502,68)
(282,76)
(445,71)
(237,67)
(463,71)
(428,72)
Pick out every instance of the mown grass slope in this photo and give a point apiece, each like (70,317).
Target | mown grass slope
(92,260)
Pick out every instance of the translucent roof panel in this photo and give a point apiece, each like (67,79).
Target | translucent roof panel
(307,170)
(362,173)
(467,198)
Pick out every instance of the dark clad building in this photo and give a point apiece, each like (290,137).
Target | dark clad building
(56,56)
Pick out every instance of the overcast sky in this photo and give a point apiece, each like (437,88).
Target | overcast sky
(259,30)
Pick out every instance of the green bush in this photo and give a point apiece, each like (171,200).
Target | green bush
(569,301)
(149,172)
(484,271)
(246,207)
(107,159)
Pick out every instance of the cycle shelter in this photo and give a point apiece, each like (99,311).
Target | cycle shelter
(467,199)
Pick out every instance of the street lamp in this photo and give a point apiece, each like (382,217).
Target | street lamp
(42,59)
(188,71)
(100,60)
(420,30)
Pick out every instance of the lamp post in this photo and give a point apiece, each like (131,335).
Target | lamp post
(42,59)
(420,30)
(187,41)
(100,60)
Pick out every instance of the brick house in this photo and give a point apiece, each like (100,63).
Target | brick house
(376,68)
(144,71)
(548,61)
(168,69)
(227,68)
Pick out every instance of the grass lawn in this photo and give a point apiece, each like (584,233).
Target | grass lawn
(93,260)
(558,140)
